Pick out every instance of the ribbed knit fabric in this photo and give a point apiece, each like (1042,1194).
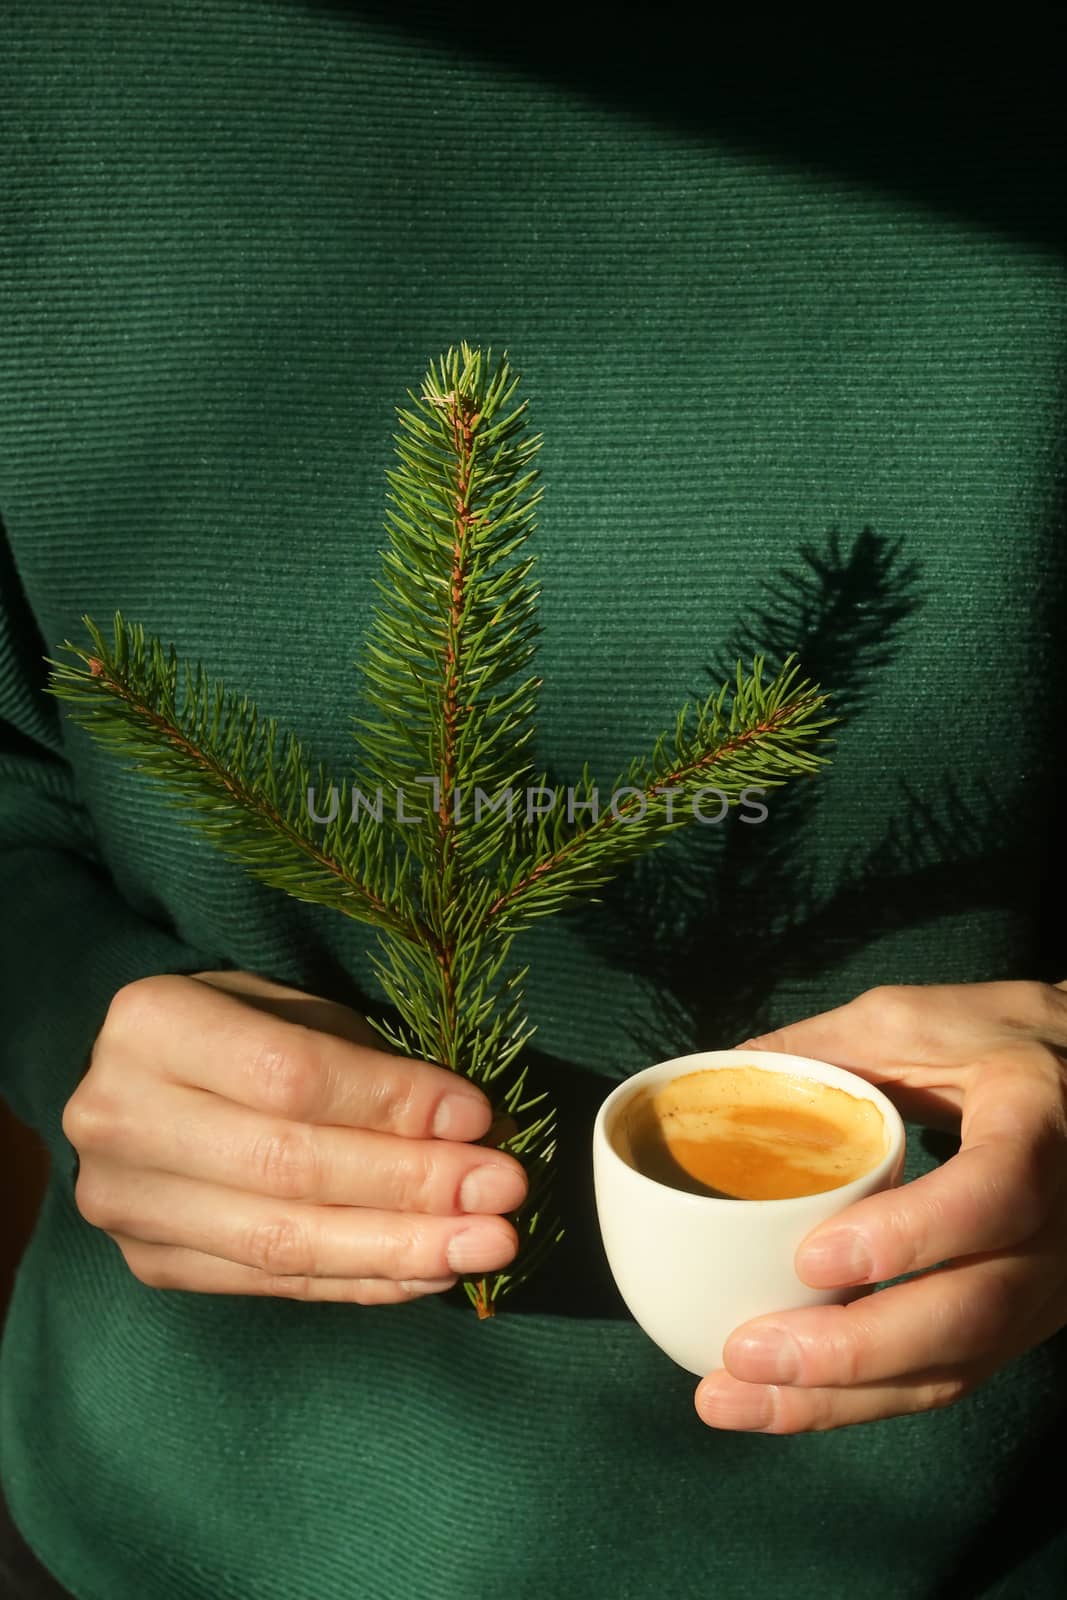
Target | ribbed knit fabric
(797,356)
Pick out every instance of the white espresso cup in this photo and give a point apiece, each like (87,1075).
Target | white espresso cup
(693,1267)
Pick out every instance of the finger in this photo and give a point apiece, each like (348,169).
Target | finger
(723,1401)
(296,1005)
(996,1192)
(167,1267)
(976,1311)
(920,1093)
(217,1142)
(938,1024)
(257,1059)
(1019,1095)
(290,1239)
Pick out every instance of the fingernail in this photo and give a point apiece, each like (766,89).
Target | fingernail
(479,1250)
(835,1259)
(462,1116)
(427,1285)
(492,1188)
(764,1355)
(734,1405)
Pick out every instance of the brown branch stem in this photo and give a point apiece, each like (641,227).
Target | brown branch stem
(463,423)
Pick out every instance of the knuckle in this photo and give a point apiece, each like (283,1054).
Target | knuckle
(97,1201)
(280,1248)
(415,1180)
(284,1163)
(384,1293)
(394,1097)
(892,1004)
(1028,1003)
(94,1121)
(284,1072)
(786,1412)
(841,1353)
(136,1007)
(848,1358)
(401,1254)
(297,1287)
(372,1292)
(907,1232)
(83,1119)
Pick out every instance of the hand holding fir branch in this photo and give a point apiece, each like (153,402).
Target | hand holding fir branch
(446,667)
(236,1136)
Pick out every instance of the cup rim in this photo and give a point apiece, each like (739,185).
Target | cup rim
(826,1072)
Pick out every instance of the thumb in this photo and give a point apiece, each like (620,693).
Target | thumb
(837,1037)
(862,1038)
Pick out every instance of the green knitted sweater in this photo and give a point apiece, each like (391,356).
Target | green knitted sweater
(793,333)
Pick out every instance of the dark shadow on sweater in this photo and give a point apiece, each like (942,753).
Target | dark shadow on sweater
(734,915)
(969,125)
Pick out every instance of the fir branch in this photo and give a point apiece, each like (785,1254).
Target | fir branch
(220,762)
(757,738)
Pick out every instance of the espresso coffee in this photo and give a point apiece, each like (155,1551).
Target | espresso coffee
(746,1133)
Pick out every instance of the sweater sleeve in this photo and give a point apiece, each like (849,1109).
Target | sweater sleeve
(68,939)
